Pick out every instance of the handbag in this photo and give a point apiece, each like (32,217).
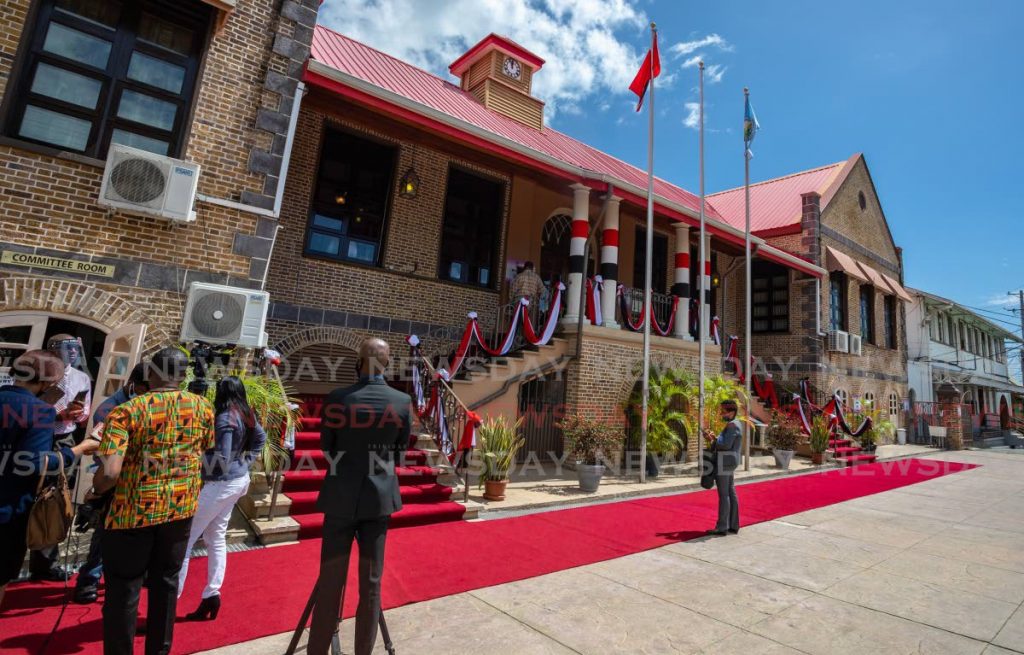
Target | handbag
(50,518)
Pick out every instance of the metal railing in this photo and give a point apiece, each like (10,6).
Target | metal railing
(455,417)
(634,301)
(948,416)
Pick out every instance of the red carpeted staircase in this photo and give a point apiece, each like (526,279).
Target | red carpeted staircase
(424,500)
(848,454)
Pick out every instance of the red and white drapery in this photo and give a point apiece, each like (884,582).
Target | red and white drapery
(764,390)
(593,311)
(472,332)
(637,324)
(832,409)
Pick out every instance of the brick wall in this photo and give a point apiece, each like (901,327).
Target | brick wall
(863,235)
(248,77)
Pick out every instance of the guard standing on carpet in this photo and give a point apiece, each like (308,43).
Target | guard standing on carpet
(364,431)
(726,447)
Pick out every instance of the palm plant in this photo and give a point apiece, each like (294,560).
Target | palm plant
(498,444)
(270,399)
(881,426)
(667,391)
(716,389)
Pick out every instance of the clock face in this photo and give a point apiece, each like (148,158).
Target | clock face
(512,68)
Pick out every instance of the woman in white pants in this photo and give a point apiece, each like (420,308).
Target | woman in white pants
(238,442)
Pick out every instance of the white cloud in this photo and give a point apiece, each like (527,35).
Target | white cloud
(692,118)
(714,73)
(711,40)
(1004,300)
(692,61)
(585,43)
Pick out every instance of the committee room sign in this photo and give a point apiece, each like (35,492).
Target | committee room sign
(55,263)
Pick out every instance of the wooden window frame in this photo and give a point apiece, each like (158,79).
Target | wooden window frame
(496,277)
(869,335)
(317,207)
(762,270)
(841,280)
(114,78)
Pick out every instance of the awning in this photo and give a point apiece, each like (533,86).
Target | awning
(224,9)
(897,288)
(837,261)
(875,278)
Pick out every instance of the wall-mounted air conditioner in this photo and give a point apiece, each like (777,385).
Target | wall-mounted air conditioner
(855,344)
(839,341)
(140,182)
(219,314)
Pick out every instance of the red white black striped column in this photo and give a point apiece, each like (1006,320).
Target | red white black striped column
(580,232)
(681,287)
(610,260)
(705,310)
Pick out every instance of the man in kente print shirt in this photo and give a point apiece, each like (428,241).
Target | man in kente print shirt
(151,457)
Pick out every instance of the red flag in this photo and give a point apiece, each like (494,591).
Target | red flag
(648,71)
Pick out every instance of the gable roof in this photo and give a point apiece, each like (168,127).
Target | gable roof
(367,76)
(775,205)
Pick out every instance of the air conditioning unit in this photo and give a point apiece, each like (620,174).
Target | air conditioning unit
(219,314)
(140,182)
(855,344)
(839,341)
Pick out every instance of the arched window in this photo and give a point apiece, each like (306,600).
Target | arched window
(843,396)
(894,405)
(869,401)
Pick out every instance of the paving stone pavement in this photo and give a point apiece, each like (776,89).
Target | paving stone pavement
(933,568)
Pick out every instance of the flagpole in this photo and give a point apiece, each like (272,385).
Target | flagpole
(647,265)
(703,321)
(746,322)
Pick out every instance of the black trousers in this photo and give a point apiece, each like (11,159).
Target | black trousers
(130,557)
(728,505)
(334,557)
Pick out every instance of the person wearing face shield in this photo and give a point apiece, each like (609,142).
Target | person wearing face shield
(72,407)
(27,419)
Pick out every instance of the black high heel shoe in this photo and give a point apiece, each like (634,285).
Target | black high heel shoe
(207,610)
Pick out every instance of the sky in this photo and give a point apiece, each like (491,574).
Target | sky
(931,92)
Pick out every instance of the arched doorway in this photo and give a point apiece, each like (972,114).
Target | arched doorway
(109,353)
(319,368)
(554,248)
(1004,413)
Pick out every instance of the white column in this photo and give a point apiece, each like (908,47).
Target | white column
(610,260)
(681,286)
(705,310)
(577,244)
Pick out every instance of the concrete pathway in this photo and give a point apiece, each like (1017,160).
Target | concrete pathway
(936,567)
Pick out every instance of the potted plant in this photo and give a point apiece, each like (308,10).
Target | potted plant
(783,436)
(498,444)
(589,442)
(881,427)
(665,420)
(821,431)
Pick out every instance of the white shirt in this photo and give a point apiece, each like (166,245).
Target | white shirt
(75,381)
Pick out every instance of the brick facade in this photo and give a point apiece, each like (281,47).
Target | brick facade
(863,234)
(245,88)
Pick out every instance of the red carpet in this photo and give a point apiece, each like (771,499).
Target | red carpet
(424,500)
(265,590)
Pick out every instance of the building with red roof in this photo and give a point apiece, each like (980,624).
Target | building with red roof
(845,333)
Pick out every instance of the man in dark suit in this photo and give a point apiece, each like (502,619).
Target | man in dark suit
(726,447)
(364,431)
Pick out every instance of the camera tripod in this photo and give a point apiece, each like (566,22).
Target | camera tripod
(335,639)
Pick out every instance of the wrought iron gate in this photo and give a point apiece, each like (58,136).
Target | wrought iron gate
(541,406)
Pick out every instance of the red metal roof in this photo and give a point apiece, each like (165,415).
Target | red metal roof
(359,60)
(775,205)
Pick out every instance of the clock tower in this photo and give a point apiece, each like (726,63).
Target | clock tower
(498,72)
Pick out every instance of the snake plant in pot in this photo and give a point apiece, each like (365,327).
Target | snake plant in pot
(498,444)
(821,431)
